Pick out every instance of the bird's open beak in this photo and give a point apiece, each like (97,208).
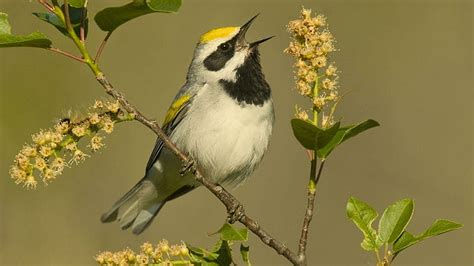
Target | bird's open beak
(243,30)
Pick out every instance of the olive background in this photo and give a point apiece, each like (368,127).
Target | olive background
(407,64)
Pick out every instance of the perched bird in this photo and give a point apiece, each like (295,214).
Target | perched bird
(222,118)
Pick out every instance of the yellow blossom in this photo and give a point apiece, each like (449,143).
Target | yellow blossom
(113,106)
(329,84)
(163,246)
(319,61)
(49,175)
(319,21)
(72,146)
(30,182)
(17,174)
(331,70)
(40,163)
(22,161)
(46,151)
(327,121)
(80,130)
(53,147)
(327,47)
(319,102)
(56,137)
(107,124)
(311,44)
(39,138)
(78,156)
(96,143)
(98,104)
(62,127)
(94,118)
(58,164)
(28,151)
(147,248)
(175,250)
(184,251)
(300,113)
(142,259)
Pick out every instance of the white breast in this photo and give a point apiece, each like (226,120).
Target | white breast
(227,140)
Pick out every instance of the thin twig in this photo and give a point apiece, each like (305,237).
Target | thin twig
(81,29)
(314,179)
(102,46)
(66,15)
(319,172)
(230,202)
(66,54)
(46,5)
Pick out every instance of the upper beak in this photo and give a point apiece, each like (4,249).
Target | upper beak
(243,30)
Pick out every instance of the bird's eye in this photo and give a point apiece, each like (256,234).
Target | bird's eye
(224,47)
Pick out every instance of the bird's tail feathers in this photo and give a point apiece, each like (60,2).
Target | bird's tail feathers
(136,208)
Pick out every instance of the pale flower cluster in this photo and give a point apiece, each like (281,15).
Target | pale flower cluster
(161,253)
(56,148)
(316,78)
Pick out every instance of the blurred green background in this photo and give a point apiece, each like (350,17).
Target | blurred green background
(407,64)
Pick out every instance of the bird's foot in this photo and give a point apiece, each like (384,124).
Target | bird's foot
(236,213)
(188,166)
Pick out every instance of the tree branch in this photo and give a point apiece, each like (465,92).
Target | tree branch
(314,179)
(234,207)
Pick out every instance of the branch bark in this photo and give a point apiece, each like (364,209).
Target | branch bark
(314,179)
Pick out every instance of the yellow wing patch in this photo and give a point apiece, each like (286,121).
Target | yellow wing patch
(218,33)
(174,109)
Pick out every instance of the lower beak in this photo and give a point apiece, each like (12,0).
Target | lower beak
(243,30)
(256,43)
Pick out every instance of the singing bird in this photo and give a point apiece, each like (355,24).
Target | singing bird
(222,118)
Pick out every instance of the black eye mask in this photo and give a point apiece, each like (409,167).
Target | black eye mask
(224,52)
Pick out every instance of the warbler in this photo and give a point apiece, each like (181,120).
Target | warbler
(222,118)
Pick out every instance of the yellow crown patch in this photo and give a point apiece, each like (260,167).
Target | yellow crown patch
(218,33)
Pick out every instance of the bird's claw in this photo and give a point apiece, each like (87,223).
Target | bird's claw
(236,213)
(188,166)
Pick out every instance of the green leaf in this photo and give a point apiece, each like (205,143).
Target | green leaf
(53,20)
(345,133)
(7,39)
(221,254)
(405,240)
(394,220)
(363,216)
(230,233)
(201,256)
(76,15)
(224,252)
(111,18)
(440,227)
(245,252)
(311,136)
(437,228)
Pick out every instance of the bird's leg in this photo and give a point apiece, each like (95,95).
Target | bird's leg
(188,166)
(236,212)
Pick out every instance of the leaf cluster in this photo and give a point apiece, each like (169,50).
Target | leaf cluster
(108,19)
(391,227)
(324,141)
(221,253)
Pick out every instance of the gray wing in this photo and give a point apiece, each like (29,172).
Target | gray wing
(168,129)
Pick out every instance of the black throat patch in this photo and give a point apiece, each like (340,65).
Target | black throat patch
(250,86)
